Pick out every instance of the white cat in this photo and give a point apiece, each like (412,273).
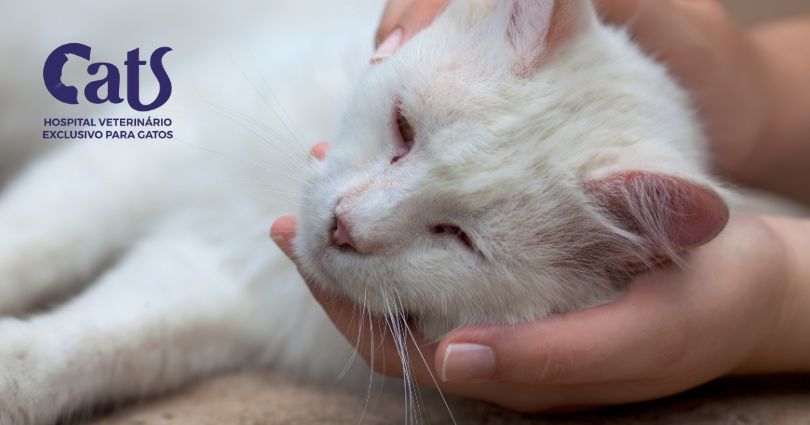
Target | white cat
(516,159)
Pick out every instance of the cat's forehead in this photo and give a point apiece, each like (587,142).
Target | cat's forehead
(431,83)
(467,168)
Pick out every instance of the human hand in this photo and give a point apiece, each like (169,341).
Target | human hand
(699,42)
(401,20)
(735,308)
(672,331)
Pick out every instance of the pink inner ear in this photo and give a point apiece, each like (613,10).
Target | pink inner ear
(538,27)
(685,215)
(570,17)
(530,22)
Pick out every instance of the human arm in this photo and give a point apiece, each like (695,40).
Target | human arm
(780,160)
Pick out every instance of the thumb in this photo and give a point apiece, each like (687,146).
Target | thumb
(401,20)
(610,343)
(369,334)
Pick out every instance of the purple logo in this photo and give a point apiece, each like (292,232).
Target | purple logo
(52,74)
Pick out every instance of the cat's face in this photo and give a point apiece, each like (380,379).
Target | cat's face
(499,168)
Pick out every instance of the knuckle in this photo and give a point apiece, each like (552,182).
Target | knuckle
(552,366)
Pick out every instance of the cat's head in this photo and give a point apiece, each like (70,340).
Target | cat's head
(517,158)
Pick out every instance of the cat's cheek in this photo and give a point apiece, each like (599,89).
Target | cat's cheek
(312,239)
(314,224)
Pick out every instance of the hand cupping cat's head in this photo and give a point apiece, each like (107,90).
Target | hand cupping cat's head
(514,160)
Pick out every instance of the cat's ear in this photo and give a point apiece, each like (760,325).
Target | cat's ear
(668,215)
(535,29)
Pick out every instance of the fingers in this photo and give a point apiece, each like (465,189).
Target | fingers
(615,342)
(319,151)
(393,11)
(667,328)
(413,15)
(657,26)
(282,232)
(401,20)
(372,336)
(653,24)
(672,31)
(619,11)
(419,15)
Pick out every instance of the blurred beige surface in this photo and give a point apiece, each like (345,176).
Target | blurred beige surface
(264,399)
(259,399)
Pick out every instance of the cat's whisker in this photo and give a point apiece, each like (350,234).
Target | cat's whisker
(279,192)
(403,322)
(233,158)
(299,158)
(418,396)
(270,137)
(264,184)
(371,371)
(260,125)
(358,341)
(400,340)
(263,98)
(235,118)
(267,187)
(286,119)
(403,352)
(432,376)
(395,337)
(220,111)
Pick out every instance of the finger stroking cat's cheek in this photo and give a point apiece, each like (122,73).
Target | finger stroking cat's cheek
(319,151)
(388,47)
(282,232)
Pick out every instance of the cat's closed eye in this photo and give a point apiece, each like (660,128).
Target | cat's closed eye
(404,137)
(456,232)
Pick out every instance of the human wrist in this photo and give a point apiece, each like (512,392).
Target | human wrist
(750,166)
(796,233)
(785,345)
(777,160)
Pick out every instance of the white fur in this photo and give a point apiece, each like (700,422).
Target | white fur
(502,156)
(165,243)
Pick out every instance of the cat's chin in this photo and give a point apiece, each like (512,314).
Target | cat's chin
(433,330)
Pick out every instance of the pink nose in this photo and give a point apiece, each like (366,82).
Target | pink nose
(342,236)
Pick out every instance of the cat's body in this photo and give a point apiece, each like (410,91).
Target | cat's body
(169,238)
(164,243)
(545,141)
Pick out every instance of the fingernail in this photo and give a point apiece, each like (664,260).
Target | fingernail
(465,362)
(388,47)
(278,239)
